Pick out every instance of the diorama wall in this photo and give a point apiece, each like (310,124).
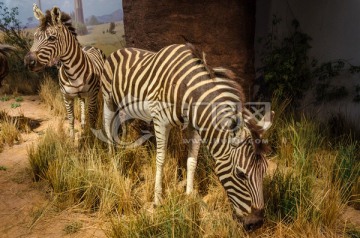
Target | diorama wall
(224,30)
(334,29)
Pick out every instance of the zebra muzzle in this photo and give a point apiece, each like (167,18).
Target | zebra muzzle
(254,220)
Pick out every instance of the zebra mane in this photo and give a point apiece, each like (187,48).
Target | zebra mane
(227,75)
(65,19)
(260,146)
(257,131)
(231,79)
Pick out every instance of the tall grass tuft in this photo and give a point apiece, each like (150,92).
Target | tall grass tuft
(346,171)
(9,133)
(179,216)
(52,145)
(287,194)
(50,94)
(315,179)
(86,178)
(11,128)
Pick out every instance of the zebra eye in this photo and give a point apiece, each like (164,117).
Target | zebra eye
(51,38)
(240,173)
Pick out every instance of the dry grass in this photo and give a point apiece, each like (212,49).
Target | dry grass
(9,133)
(50,94)
(12,127)
(315,179)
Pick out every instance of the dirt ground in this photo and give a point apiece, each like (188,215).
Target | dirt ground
(25,206)
(26,209)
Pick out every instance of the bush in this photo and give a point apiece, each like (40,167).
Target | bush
(112,28)
(286,70)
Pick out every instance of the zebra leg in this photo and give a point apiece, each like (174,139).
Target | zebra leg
(93,109)
(193,151)
(69,104)
(82,105)
(108,118)
(162,135)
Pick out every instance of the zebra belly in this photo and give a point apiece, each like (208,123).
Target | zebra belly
(137,110)
(70,91)
(148,110)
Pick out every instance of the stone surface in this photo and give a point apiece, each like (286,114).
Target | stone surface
(224,30)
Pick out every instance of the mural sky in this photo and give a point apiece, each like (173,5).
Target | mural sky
(90,7)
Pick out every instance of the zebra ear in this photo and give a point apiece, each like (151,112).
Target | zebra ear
(38,14)
(260,126)
(56,16)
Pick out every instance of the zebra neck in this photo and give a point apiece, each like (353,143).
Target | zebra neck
(217,145)
(205,120)
(74,62)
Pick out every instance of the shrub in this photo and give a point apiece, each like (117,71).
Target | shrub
(285,64)
(112,28)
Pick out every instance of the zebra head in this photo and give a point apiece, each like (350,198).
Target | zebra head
(51,39)
(246,168)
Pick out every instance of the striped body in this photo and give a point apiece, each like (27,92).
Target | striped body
(174,87)
(55,43)
(80,77)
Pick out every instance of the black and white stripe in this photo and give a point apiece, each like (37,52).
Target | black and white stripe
(175,87)
(55,43)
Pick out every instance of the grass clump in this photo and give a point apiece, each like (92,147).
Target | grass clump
(11,128)
(315,179)
(9,131)
(177,217)
(346,172)
(48,150)
(50,94)
(86,177)
(73,227)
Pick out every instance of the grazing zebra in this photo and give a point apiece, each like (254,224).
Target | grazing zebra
(4,66)
(175,87)
(55,43)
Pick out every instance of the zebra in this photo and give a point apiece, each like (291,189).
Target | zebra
(4,65)
(55,43)
(175,87)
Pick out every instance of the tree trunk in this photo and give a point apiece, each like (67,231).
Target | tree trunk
(224,30)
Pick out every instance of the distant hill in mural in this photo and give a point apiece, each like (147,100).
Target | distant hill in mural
(115,16)
(112,17)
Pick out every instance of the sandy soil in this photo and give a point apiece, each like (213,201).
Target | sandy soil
(25,206)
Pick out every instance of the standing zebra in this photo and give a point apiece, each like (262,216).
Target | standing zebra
(4,66)
(55,43)
(175,87)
